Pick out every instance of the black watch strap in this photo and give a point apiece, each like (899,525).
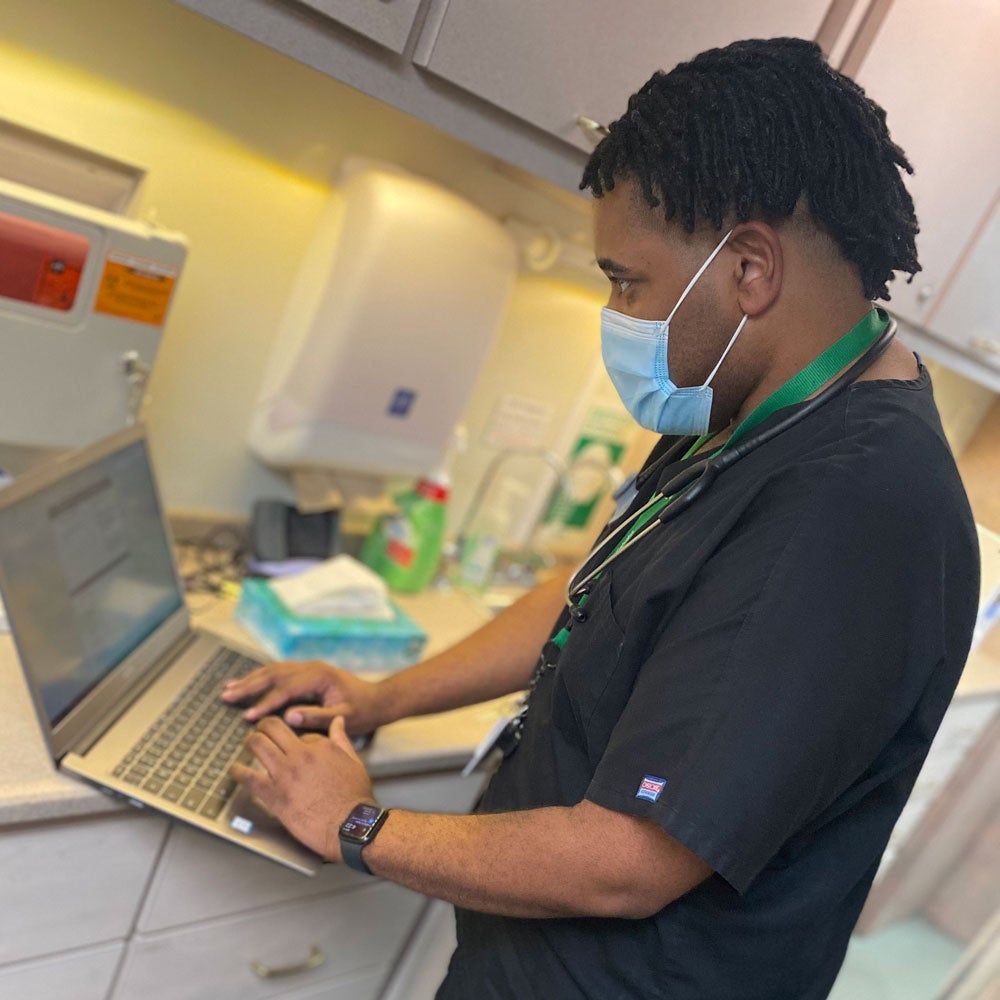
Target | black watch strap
(353,858)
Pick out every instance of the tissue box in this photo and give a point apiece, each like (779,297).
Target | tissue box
(351,643)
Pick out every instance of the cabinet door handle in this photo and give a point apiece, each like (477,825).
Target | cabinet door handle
(991,348)
(591,126)
(314,961)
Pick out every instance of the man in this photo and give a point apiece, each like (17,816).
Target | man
(724,727)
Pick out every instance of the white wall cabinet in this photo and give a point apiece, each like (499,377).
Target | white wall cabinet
(934,68)
(549,63)
(387,22)
(130,907)
(967,315)
(511,78)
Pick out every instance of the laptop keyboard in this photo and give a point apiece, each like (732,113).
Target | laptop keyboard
(185,755)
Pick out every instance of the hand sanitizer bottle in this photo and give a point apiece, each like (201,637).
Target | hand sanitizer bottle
(487,535)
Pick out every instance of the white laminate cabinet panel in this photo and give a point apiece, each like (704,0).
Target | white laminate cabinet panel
(200,878)
(422,966)
(387,22)
(550,62)
(76,975)
(965,723)
(66,885)
(290,28)
(968,314)
(358,931)
(934,69)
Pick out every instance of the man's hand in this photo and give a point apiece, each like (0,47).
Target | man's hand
(310,783)
(338,692)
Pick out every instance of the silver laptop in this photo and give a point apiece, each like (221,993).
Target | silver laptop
(126,691)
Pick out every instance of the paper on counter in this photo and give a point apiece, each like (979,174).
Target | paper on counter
(337,588)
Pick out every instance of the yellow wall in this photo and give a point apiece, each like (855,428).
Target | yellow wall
(241,146)
(546,353)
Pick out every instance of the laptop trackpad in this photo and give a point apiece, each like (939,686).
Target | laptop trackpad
(251,824)
(245,814)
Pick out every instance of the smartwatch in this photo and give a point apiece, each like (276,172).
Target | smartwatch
(357,831)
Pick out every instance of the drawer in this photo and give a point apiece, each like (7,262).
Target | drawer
(422,966)
(366,986)
(359,931)
(67,885)
(200,877)
(82,975)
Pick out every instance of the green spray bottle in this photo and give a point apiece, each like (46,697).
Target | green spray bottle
(405,547)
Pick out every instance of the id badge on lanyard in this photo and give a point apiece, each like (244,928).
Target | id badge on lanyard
(490,742)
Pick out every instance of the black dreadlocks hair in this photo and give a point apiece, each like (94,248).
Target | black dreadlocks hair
(744,131)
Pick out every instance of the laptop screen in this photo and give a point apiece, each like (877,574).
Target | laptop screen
(89,574)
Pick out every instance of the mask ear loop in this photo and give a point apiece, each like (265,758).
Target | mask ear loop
(732,340)
(701,270)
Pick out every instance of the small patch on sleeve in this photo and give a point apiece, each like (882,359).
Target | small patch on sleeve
(650,787)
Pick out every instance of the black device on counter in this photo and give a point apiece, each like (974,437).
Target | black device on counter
(279,531)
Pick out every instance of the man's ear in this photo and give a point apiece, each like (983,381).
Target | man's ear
(759,268)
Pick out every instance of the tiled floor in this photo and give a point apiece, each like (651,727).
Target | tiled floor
(909,960)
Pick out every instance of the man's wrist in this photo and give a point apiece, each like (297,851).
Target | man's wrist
(358,830)
(390,699)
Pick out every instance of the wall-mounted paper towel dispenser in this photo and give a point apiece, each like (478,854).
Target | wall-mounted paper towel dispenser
(393,314)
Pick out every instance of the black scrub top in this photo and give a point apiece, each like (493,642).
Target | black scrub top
(761,677)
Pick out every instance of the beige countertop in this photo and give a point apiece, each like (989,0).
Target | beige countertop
(31,788)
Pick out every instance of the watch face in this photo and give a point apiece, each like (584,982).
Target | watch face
(359,824)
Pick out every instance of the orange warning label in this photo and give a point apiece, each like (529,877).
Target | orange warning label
(135,288)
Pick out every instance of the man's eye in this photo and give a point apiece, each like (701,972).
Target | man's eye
(622,284)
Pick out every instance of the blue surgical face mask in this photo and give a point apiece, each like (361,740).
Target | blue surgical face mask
(635,355)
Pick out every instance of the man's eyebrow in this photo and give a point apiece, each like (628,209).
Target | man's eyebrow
(607,264)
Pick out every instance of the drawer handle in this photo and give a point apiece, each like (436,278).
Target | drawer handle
(986,346)
(314,961)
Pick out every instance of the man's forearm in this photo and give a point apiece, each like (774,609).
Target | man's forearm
(495,660)
(581,860)
(552,862)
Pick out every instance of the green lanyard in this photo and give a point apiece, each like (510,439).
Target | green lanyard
(796,390)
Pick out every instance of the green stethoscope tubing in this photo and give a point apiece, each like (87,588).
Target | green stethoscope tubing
(858,348)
